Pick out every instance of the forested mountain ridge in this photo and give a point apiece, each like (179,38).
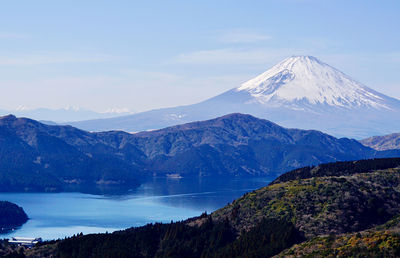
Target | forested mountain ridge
(39,157)
(327,215)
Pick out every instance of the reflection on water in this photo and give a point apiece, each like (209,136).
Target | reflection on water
(206,193)
(56,215)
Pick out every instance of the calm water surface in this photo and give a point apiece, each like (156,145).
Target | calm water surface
(57,215)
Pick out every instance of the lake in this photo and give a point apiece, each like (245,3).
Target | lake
(58,215)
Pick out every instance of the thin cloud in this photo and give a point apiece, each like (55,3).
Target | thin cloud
(231,56)
(244,37)
(12,36)
(51,58)
(152,75)
(117,110)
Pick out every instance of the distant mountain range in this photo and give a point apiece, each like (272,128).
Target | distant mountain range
(39,157)
(299,92)
(385,142)
(51,116)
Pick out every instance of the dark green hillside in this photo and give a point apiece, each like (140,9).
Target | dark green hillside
(334,214)
(209,239)
(11,216)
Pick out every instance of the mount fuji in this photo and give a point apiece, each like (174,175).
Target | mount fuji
(301,92)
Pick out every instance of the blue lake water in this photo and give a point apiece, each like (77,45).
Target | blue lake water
(58,215)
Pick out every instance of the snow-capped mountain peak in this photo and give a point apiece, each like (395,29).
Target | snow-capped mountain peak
(299,92)
(301,80)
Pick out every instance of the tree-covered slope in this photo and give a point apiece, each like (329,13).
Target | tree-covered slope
(11,216)
(338,169)
(177,240)
(380,241)
(321,205)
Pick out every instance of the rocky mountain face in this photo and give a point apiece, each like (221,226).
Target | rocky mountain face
(39,157)
(299,92)
(344,209)
(386,142)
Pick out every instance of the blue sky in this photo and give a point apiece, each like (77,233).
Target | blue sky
(140,55)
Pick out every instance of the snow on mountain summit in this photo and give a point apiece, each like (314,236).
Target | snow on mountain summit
(306,80)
